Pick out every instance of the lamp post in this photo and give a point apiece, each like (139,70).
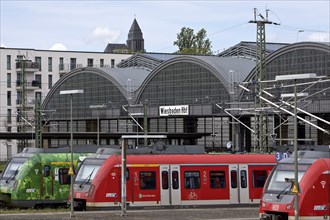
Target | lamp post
(295,77)
(124,162)
(98,107)
(71,92)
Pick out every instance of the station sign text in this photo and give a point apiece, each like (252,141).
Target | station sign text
(174,110)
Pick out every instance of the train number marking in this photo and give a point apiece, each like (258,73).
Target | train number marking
(275,207)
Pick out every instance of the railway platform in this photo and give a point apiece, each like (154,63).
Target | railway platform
(223,213)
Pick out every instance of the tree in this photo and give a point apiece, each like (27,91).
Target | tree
(189,43)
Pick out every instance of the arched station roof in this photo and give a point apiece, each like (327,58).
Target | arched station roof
(298,58)
(249,49)
(192,76)
(111,86)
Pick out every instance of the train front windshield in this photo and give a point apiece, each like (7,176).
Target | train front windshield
(88,170)
(283,173)
(12,168)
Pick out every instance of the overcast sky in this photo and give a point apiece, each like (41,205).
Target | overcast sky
(90,25)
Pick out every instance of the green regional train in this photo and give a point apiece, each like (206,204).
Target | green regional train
(40,177)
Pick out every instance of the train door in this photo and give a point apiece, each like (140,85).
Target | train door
(47,182)
(165,185)
(233,179)
(243,184)
(175,191)
(239,190)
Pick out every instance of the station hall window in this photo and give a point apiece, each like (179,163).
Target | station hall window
(217,179)
(148,180)
(259,178)
(192,180)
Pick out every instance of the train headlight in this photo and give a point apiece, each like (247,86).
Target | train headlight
(263,204)
(288,206)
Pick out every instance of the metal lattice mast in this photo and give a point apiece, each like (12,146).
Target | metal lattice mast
(261,119)
(22,62)
(37,118)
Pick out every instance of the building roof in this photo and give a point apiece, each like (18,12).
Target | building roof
(129,79)
(227,69)
(148,61)
(232,69)
(113,47)
(249,49)
(135,31)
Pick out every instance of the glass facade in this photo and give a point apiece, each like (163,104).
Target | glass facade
(98,90)
(296,59)
(184,83)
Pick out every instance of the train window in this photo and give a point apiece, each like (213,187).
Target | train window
(165,180)
(243,179)
(147,180)
(175,179)
(259,178)
(64,177)
(217,179)
(192,180)
(46,170)
(233,177)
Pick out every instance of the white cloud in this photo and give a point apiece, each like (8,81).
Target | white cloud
(319,37)
(58,46)
(103,34)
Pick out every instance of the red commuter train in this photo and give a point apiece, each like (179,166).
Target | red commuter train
(172,180)
(314,182)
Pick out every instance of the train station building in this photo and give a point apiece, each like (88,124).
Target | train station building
(195,100)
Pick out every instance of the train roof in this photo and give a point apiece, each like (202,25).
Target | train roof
(307,156)
(103,153)
(202,159)
(30,151)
